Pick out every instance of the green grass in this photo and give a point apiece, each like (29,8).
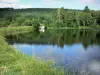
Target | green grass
(12,62)
(13,30)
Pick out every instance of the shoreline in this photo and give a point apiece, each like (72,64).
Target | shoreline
(13,62)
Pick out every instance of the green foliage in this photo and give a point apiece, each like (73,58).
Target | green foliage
(87,20)
(35,24)
(62,12)
(86,9)
(49,17)
(74,18)
(20,21)
(27,23)
(70,19)
(98,19)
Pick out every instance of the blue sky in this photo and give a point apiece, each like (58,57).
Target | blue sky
(71,4)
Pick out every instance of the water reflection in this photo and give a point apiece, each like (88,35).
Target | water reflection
(76,50)
(41,30)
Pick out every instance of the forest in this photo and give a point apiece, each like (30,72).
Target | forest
(50,17)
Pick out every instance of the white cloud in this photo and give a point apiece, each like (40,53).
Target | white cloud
(53,1)
(13,4)
(3,5)
(24,6)
(94,2)
(9,1)
(88,1)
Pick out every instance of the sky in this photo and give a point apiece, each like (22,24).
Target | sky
(69,4)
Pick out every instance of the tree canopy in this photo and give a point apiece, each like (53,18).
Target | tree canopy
(50,17)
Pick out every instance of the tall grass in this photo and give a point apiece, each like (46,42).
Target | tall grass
(14,63)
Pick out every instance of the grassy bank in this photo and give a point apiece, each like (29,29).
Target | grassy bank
(13,30)
(13,62)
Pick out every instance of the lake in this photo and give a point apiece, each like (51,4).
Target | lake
(75,50)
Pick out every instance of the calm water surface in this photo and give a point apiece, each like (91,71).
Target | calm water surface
(76,50)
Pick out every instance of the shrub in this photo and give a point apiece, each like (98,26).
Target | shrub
(27,23)
(35,24)
(20,20)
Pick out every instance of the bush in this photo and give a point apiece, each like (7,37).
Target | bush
(27,23)
(35,24)
(20,20)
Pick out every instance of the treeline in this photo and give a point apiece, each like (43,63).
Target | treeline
(57,17)
(74,18)
(6,9)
